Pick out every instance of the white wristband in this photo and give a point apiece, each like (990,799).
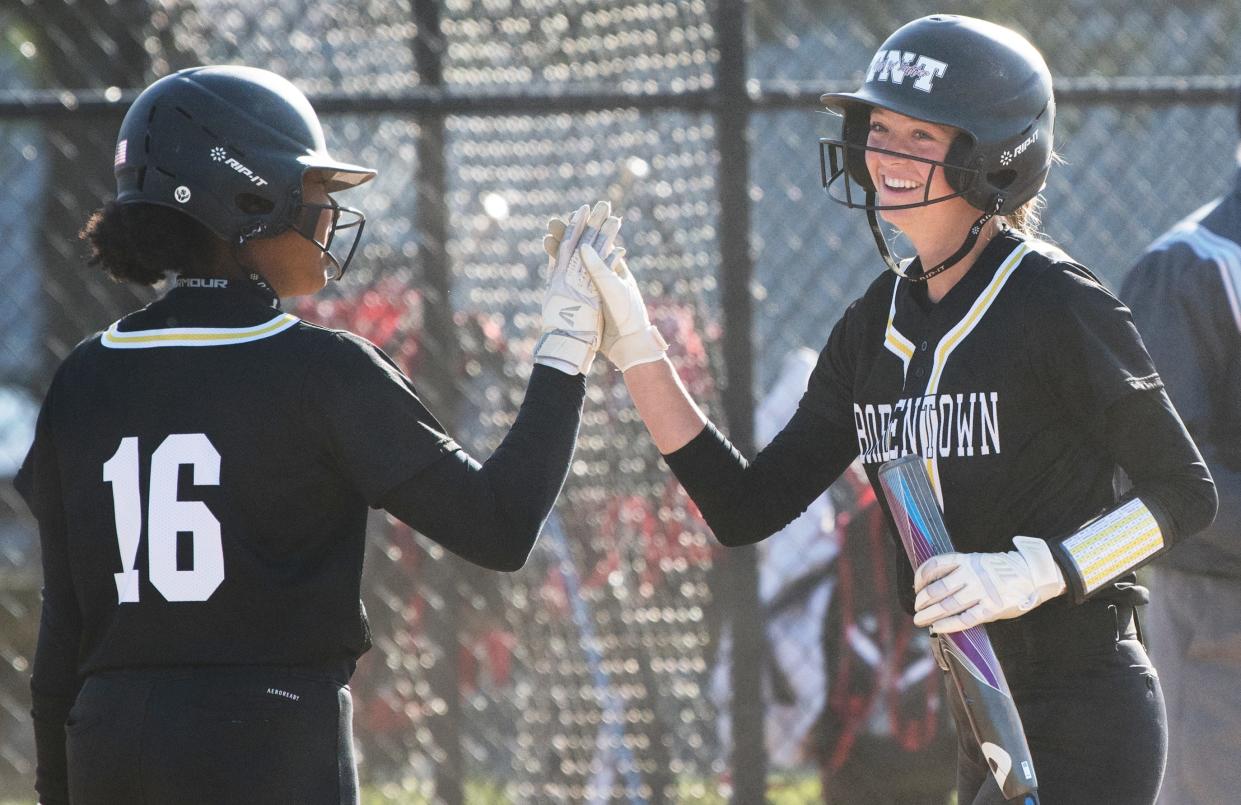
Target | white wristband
(1114,544)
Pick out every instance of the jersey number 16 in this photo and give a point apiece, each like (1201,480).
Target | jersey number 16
(167,517)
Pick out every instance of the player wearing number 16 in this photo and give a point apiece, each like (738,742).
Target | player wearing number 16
(202,469)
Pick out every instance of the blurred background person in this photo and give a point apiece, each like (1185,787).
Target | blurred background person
(1185,294)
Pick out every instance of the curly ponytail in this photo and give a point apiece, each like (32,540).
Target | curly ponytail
(140,243)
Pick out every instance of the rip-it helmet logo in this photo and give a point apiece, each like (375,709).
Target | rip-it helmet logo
(218,154)
(1006,156)
(181,194)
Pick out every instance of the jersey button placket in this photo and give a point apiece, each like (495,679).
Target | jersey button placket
(920,360)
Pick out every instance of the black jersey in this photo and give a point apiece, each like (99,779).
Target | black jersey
(1001,386)
(1024,388)
(204,468)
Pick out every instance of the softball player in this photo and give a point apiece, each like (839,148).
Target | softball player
(1016,375)
(202,470)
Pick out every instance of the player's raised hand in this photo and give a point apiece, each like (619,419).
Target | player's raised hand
(959,590)
(629,338)
(572,317)
(601,239)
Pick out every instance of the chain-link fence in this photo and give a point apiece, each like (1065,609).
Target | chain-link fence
(600,672)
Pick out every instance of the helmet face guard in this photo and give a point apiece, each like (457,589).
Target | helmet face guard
(835,157)
(344,232)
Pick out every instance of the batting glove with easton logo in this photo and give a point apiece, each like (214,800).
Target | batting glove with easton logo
(572,310)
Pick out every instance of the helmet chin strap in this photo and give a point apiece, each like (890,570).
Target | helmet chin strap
(953,259)
(253,279)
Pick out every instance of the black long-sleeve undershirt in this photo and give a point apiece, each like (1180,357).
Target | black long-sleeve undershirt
(745,502)
(491,513)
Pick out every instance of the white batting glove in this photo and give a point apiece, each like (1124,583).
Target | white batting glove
(600,239)
(572,315)
(629,338)
(959,590)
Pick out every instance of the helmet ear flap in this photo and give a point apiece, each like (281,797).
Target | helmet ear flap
(958,157)
(856,132)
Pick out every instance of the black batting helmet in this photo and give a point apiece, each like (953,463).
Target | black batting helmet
(228,146)
(981,78)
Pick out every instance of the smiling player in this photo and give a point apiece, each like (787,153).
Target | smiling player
(1010,369)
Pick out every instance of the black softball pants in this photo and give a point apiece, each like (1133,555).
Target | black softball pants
(212,736)
(1090,702)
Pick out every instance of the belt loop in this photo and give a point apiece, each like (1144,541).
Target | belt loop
(1112,608)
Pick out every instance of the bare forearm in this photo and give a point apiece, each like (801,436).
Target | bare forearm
(672,417)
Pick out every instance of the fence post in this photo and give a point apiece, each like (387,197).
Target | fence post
(740,573)
(440,337)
